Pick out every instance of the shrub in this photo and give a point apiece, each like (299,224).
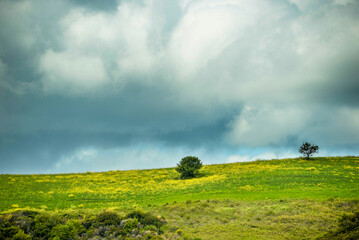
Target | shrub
(55,226)
(152,237)
(61,232)
(129,225)
(42,225)
(108,218)
(188,167)
(145,218)
(8,231)
(20,235)
(70,230)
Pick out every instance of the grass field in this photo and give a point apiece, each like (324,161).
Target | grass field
(276,199)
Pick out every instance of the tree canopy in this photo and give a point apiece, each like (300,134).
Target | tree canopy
(308,150)
(188,167)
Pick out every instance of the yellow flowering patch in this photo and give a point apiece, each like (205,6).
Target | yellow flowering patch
(80,190)
(183,184)
(247,187)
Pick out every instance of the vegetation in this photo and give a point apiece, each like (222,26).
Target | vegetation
(348,229)
(105,225)
(277,199)
(189,167)
(308,150)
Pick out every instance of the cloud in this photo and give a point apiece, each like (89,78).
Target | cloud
(197,75)
(70,72)
(343,2)
(335,126)
(263,125)
(140,156)
(228,47)
(301,4)
(24,37)
(279,126)
(206,29)
(104,47)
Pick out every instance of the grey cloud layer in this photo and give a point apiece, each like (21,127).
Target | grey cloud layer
(196,74)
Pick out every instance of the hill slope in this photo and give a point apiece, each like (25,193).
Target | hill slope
(275,199)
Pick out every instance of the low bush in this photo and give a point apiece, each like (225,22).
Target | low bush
(108,218)
(129,225)
(21,235)
(105,225)
(146,218)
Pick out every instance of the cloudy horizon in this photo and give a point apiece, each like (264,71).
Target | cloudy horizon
(140,84)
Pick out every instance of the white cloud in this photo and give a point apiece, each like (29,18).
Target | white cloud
(206,29)
(70,71)
(265,125)
(101,49)
(228,48)
(121,37)
(142,49)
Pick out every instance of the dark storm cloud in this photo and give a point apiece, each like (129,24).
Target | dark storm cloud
(104,5)
(133,84)
(37,130)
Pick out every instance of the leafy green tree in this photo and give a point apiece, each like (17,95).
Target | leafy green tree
(308,150)
(188,167)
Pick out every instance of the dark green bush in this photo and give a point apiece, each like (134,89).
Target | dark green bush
(9,231)
(349,223)
(151,228)
(152,237)
(28,213)
(145,218)
(61,232)
(129,225)
(108,218)
(20,235)
(42,225)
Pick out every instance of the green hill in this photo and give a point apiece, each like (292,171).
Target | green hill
(276,199)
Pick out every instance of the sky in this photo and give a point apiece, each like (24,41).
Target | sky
(130,84)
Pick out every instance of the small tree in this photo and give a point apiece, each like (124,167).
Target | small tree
(308,150)
(188,167)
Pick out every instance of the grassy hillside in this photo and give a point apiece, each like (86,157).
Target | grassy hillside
(275,199)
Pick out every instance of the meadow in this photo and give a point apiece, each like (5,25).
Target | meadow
(275,199)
